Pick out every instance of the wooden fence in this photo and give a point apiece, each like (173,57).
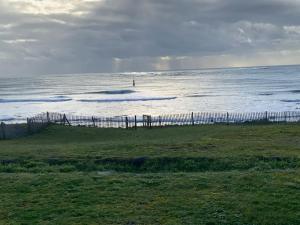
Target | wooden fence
(11,131)
(164,120)
(40,121)
(33,125)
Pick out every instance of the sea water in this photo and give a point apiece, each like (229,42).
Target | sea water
(255,89)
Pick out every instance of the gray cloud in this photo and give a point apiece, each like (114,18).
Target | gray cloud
(44,37)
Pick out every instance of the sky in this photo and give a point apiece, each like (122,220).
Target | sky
(84,36)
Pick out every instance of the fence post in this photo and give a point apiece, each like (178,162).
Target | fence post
(135,122)
(29,125)
(48,117)
(150,121)
(285,117)
(227,117)
(93,121)
(266,116)
(192,118)
(159,120)
(66,120)
(3,130)
(126,122)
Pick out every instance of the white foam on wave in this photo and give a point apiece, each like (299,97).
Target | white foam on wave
(127,99)
(112,92)
(291,100)
(29,100)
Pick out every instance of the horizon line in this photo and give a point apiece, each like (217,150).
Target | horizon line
(153,71)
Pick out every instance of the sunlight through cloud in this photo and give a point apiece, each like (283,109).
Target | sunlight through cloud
(48,7)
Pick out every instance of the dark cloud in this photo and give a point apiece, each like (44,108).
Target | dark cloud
(42,37)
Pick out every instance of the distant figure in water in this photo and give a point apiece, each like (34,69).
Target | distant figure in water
(133,83)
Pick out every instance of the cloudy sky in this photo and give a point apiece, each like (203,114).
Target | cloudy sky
(75,36)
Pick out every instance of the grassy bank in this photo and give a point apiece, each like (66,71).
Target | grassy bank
(181,175)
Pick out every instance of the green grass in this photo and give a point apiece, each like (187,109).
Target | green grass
(216,174)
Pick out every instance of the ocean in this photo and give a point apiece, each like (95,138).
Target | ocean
(255,89)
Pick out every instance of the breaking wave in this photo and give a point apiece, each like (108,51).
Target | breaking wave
(29,100)
(199,96)
(113,92)
(127,99)
(295,91)
(266,94)
(293,100)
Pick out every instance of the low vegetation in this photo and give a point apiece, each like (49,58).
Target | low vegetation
(211,174)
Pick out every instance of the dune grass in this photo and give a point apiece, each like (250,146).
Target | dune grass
(220,174)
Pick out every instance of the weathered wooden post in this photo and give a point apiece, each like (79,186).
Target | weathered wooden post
(48,118)
(192,118)
(150,121)
(29,126)
(227,118)
(135,122)
(3,131)
(65,120)
(126,122)
(266,116)
(93,121)
(285,117)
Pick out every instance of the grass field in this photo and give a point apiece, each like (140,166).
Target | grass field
(212,174)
